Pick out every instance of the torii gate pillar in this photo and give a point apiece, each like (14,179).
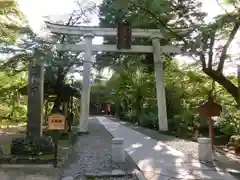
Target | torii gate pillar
(85,94)
(160,88)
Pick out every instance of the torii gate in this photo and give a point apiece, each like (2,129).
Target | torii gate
(88,48)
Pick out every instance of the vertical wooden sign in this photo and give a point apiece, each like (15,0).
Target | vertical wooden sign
(124,36)
(35,96)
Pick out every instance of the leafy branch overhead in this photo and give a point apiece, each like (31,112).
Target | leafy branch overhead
(207,43)
(213,54)
(165,15)
(11,20)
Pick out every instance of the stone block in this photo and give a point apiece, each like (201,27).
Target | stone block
(118,150)
(205,149)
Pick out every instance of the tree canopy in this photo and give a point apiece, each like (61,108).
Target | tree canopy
(131,89)
(11,19)
(132,86)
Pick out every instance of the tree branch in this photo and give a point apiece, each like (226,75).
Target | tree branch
(210,53)
(202,53)
(223,81)
(226,46)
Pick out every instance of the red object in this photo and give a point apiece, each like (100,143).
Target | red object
(108,107)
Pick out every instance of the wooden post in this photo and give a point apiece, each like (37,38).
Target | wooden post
(211,130)
(35,96)
(56,150)
(46,109)
(65,112)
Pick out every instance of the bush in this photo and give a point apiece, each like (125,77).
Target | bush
(129,116)
(149,120)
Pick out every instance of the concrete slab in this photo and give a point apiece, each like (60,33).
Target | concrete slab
(154,156)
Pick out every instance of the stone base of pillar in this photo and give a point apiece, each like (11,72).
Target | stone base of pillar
(83,133)
(83,127)
(205,152)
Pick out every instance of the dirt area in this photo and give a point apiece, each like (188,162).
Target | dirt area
(25,172)
(7,134)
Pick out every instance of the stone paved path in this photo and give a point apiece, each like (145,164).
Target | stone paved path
(158,160)
(92,154)
(189,148)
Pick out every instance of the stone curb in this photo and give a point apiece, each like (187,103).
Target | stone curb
(67,178)
(140,175)
(114,173)
(26,165)
(223,153)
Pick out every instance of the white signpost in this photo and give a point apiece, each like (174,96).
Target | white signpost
(88,48)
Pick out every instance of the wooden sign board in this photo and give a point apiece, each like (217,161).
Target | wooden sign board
(124,36)
(209,109)
(56,122)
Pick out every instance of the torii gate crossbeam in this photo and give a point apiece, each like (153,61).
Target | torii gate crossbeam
(82,30)
(88,48)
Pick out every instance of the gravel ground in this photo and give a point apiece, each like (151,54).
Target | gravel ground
(92,154)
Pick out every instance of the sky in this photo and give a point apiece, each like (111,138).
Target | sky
(37,10)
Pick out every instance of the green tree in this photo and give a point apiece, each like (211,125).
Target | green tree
(11,21)
(59,66)
(201,42)
(185,88)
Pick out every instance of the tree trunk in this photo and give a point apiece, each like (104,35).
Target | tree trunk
(223,81)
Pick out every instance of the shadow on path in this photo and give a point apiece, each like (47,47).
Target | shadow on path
(158,160)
